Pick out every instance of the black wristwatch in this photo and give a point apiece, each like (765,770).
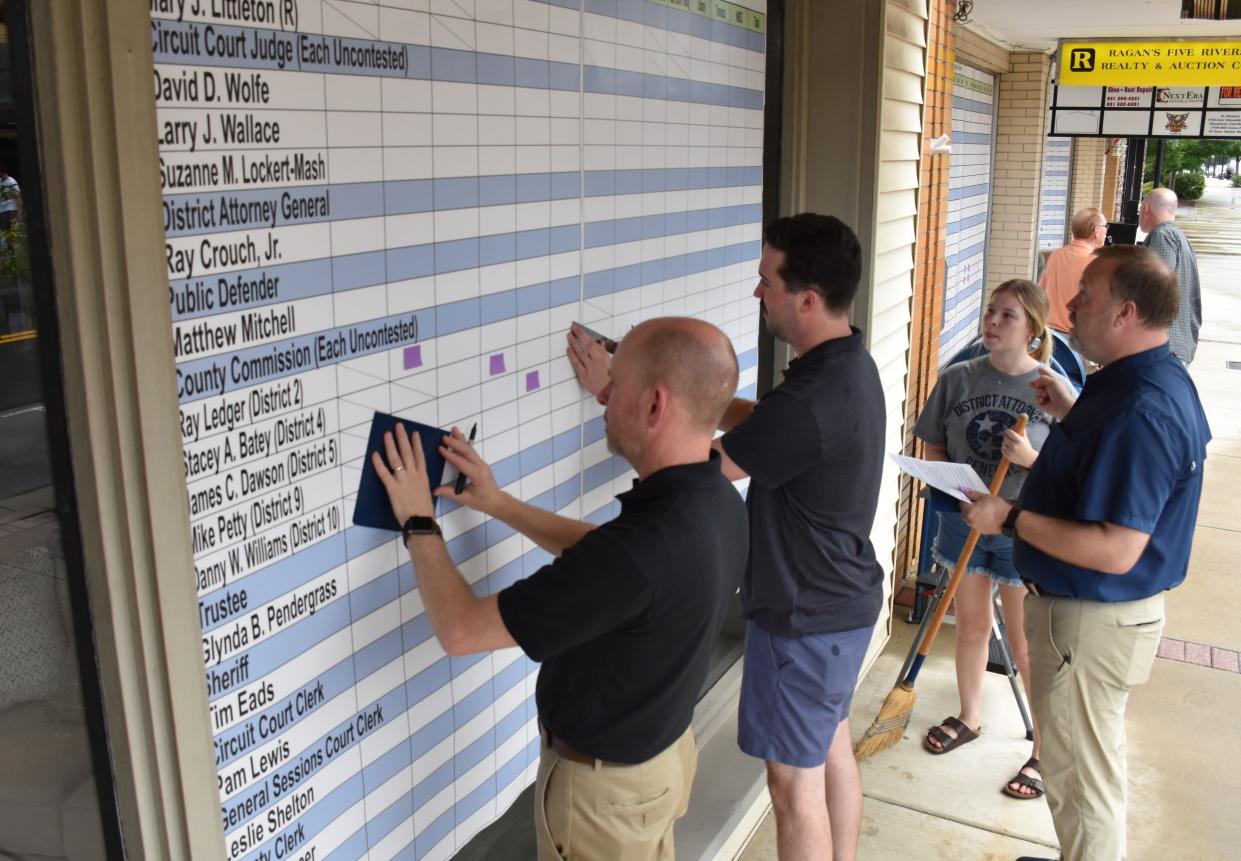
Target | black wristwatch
(420,524)
(1009,528)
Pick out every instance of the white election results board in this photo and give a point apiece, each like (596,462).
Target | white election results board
(401,206)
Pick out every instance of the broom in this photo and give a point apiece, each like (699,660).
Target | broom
(889,725)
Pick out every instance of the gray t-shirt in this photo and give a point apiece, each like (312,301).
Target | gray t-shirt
(968,411)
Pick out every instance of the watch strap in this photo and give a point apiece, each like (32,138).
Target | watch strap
(420,525)
(1009,527)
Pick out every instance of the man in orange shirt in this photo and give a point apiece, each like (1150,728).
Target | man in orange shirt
(1063,272)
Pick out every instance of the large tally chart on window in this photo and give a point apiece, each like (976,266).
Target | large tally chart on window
(401,206)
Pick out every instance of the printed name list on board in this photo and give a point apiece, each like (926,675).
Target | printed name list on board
(373,209)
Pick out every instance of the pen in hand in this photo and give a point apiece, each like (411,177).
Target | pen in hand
(459,487)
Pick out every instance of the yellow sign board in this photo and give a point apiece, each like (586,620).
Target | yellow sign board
(1150,63)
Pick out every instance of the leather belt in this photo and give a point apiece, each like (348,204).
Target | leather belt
(564,750)
(1038,591)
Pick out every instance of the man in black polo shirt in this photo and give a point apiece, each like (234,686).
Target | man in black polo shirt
(813,449)
(624,619)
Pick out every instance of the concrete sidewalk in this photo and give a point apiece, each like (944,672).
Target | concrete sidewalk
(1184,743)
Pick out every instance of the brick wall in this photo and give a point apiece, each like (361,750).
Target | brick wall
(1021,119)
(978,51)
(1089,158)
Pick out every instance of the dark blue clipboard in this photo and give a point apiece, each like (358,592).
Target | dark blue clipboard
(372,507)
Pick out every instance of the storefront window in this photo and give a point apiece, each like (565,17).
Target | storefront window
(49,801)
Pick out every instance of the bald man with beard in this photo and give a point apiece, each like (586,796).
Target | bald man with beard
(625,616)
(1157,218)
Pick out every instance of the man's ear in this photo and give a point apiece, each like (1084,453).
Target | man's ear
(806,300)
(657,406)
(1128,313)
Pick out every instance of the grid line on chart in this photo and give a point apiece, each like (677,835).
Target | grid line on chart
(350,18)
(349,596)
(549,453)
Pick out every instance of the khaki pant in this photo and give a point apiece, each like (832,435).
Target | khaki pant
(1084,658)
(612,813)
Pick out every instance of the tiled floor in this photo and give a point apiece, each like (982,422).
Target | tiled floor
(1200,654)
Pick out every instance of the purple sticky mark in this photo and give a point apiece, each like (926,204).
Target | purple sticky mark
(413,357)
(532,381)
(497,364)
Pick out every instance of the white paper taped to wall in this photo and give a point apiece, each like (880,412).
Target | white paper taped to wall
(952,478)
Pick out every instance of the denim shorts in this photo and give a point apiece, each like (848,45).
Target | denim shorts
(795,691)
(993,554)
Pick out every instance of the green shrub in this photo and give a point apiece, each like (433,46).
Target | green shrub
(1236,181)
(1190,186)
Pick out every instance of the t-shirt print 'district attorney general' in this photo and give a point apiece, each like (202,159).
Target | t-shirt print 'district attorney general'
(968,412)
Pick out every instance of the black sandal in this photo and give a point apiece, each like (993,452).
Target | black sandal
(1027,781)
(946,742)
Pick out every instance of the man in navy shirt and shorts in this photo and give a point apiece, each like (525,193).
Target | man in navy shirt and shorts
(1102,529)
(813,589)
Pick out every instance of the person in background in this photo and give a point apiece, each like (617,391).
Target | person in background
(624,619)
(10,199)
(1103,527)
(969,419)
(1157,218)
(1062,274)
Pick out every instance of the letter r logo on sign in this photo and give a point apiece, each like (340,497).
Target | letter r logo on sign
(1081,59)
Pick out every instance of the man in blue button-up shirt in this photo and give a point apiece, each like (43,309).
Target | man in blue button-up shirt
(1103,527)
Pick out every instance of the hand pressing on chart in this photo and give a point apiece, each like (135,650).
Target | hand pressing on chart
(589,358)
(403,471)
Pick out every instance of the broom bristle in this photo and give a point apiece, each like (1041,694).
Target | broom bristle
(889,725)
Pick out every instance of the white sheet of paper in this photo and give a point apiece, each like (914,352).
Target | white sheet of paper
(951,478)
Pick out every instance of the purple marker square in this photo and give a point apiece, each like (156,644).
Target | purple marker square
(497,364)
(413,357)
(532,381)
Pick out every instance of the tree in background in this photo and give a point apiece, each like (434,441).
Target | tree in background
(1189,155)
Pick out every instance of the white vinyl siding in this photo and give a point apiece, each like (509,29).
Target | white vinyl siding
(896,209)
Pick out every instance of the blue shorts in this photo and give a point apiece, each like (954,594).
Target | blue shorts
(992,556)
(795,691)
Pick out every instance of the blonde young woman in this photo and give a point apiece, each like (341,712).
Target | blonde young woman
(968,419)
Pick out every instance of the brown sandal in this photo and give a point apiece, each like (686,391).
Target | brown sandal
(1025,780)
(946,742)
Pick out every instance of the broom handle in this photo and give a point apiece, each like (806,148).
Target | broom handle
(958,572)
